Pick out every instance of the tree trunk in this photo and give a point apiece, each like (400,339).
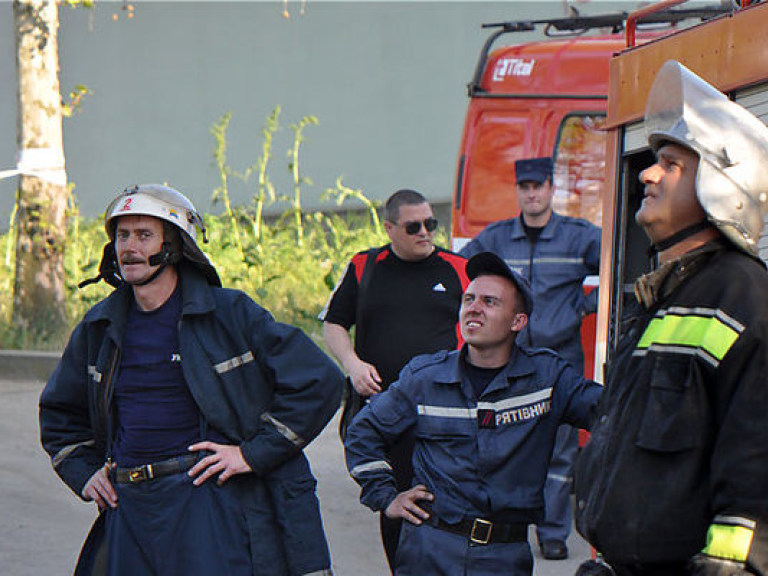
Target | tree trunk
(38,303)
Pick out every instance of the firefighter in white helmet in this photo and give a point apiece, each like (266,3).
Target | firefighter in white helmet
(674,479)
(182,408)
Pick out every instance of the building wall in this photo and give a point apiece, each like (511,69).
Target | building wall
(386,80)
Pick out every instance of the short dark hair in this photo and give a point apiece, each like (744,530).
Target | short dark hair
(401,198)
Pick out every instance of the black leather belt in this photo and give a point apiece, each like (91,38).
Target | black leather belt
(155,470)
(481,531)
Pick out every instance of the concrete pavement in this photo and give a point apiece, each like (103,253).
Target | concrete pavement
(43,524)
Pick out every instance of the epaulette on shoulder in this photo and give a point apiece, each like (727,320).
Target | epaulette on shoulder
(425,360)
(580,222)
(500,223)
(531,352)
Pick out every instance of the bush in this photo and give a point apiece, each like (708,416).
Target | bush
(289,264)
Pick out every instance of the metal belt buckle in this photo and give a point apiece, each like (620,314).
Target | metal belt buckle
(140,474)
(481,531)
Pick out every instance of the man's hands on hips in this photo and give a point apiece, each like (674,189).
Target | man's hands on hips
(100,489)
(405,505)
(225,460)
(365,378)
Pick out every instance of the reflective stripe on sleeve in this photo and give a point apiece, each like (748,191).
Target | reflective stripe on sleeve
(233,363)
(62,454)
(286,432)
(701,331)
(730,538)
(374,466)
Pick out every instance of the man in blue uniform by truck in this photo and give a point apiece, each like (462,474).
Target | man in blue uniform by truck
(484,420)
(182,408)
(555,253)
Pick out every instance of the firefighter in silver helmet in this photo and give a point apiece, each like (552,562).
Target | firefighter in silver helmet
(181,409)
(674,479)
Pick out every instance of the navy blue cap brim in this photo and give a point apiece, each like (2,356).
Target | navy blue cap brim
(531,177)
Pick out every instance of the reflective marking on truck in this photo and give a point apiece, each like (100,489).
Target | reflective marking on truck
(512,67)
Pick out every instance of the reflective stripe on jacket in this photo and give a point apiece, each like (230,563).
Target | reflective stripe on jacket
(480,457)
(678,459)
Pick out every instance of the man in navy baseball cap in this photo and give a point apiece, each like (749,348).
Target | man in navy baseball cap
(488,264)
(554,252)
(484,420)
(533,170)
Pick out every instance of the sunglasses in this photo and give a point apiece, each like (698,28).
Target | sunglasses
(413,228)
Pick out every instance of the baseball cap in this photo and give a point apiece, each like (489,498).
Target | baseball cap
(488,263)
(533,170)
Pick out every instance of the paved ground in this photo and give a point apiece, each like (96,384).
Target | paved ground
(43,523)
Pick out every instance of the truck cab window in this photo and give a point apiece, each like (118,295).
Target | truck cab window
(579,175)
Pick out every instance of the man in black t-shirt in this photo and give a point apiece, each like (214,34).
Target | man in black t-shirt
(408,306)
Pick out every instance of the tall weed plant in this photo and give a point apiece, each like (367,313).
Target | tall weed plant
(288,263)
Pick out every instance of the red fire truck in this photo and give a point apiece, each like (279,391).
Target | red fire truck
(546,98)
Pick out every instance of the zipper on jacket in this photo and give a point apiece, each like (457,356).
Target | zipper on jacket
(108,393)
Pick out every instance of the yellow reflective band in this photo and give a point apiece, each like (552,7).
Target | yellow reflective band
(728,542)
(707,333)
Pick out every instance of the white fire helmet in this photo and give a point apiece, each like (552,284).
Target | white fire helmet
(732,144)
(167,204)
(155,200)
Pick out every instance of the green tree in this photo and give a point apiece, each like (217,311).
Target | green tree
(41,199)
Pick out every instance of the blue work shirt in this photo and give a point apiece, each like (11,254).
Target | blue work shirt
(483,456)
(567,251)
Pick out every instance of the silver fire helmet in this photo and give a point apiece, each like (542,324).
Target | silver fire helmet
(732,144)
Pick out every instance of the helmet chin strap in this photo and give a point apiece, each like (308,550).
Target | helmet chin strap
(678,237)
(163,259)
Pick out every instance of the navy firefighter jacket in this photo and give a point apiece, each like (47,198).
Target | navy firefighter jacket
(480,457)
(263,385)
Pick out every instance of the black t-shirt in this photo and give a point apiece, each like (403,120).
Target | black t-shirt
(533,232)
(409,308)
(156,415)
(479,377)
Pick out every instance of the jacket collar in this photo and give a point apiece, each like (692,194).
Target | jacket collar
(519,365)
(661,282)
(549,232)
(196,292)
(197,298)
